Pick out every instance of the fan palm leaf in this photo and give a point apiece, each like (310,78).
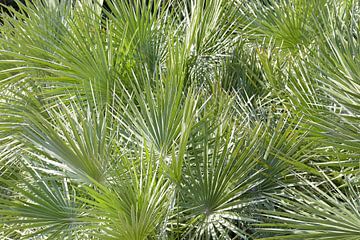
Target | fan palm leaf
(316,211)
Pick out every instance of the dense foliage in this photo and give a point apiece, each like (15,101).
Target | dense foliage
(180,119)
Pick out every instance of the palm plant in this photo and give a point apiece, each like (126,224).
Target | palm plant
(180,119)
(316,211)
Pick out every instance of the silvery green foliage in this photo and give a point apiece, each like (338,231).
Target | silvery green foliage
(180,119)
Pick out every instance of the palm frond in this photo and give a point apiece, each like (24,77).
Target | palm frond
(134,202)
(40,206)
(315,211)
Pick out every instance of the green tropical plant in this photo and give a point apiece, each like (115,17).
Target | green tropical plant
(317,211)
(180,119)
